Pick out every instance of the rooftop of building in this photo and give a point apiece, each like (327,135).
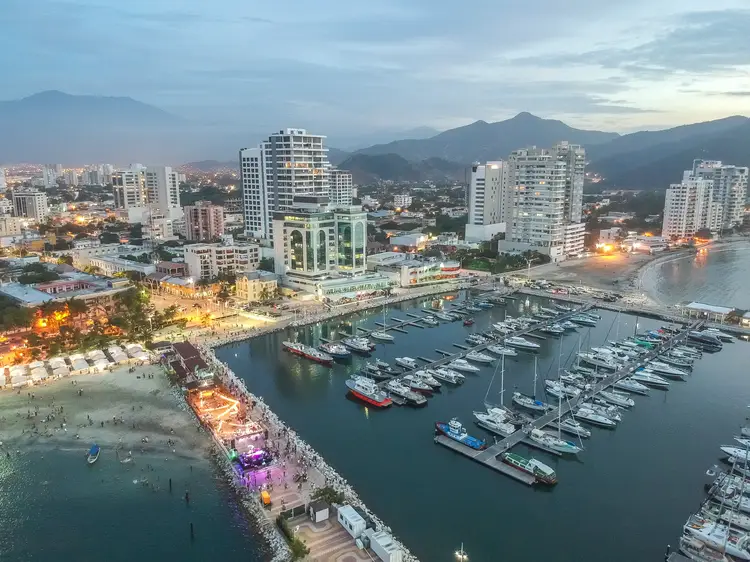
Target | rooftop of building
(261,275)
(34,295)
(703,307)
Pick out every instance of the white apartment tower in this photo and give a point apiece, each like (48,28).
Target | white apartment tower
(574,156)
(488,200)
(290,163)
(155,186)
(729,188)
(3,182)
(127,188)
(690,206)
(31,203)
(341,187)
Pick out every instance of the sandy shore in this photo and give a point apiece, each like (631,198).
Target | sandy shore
(134,412)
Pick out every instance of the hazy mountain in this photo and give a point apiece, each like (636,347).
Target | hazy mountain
(658,166)
(367,138)
(337,156)
(484,141)
(367,168)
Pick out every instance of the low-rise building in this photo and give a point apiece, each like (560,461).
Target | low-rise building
(405,271)
(409,243)
(256,286)
(178,269)
(455,212)
(208,261)
(184,287)
(112,265)
(573,241)
(402,200)
(10,226)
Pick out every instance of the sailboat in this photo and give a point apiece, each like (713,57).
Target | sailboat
(496,419)
(530,402)
(382,335)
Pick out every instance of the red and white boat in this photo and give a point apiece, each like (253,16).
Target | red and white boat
(366,390)
(308,352)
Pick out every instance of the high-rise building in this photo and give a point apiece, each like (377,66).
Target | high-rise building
(574,156)
(3,181)
(291,162)
(127,187)
(50,175)
(341,187)
(487,195)
(31,203)
(71,177)
(203,221)
(729,188)
(154,186)
(690,206)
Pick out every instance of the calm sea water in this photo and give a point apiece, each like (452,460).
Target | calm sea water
(623,500)
(55,507)
(720,277)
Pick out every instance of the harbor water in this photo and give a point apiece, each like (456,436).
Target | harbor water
(623,499)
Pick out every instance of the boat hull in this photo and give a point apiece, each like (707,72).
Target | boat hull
(467,440)
(371,401)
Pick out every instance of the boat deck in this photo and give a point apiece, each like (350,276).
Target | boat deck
(676,557)
(493,462)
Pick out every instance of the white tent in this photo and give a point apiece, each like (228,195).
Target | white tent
(79,365)
(36,365)
(118,357)
(18,370)
(39,374)
(141,356)
(95,355)
(101,365)
(114,349)
(61,371)
(56,362)
(19,381)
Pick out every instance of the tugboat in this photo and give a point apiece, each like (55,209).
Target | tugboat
(367,391)
(454,430)
(308,352)
(93,454)
(543,473)
(335,350)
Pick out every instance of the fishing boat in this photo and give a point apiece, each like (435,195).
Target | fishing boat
(366,390)
(540,471)
(500,350)
(358,345)
(406,362)
(555,443)
(496,421)
(335,350)
(650,379)
(454,430)
(430,321)
(558,389)
(572,427)
(632,386)
(617,398)
(381,335)
(417,384)
(479,357)
(590,416)
(463,365)
(308,352)
(469,322)
(661,368)
(93,454)
(413,398)
(448,375)
(522,343)
(583,320)
(718,536)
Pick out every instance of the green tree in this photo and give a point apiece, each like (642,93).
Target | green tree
(65,260)
(109,238)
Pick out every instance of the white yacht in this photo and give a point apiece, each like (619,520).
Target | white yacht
(522,343)
(611,412)
(719,334)
(406,362)
(550,441)
(617,398)
(650,379)
(502,327)
(476,339)
(447,375)
(557,389)
(593,418)
(381,335)
(429,321)
(569,326)
(427,378)
(462,365)
(553,330)
(571,426)
(630,385)
(479,357)
(531,403)
(575,380)
(665,370)
(735,452)
(600,361)
(496,421)
(699,551)
(718,536)
(500,350)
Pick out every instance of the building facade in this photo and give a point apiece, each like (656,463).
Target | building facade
(402,200)
(203,221)
(256,286)
(31,203)
(341,187)
(290,163)
(157,187)
(112,265)
(729,185)
(208,261)
(690,206)
(10,226)
(488,200)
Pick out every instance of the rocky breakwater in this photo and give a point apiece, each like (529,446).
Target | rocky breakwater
(311,457)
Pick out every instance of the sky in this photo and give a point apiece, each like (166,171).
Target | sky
(343,67)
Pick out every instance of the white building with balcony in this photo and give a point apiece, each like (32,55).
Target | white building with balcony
(208,261)
(402,200)
(689,207)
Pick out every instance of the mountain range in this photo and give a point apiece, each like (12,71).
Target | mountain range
(58,127)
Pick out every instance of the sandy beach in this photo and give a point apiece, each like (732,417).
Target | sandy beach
(135,413)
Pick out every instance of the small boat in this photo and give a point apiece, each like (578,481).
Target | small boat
(630,385)
(650,379)
(476,339)
(543,316)
(543,473)
(598,360)
(447,375)
(417,384)
(551,442)
(469,322)
(496,421)
(572,379)
(687,350)
(719,334)
(522,343)
(642,343)
(479,357)
(395,387)
(373,372)
(335,350)
(93,454)
(358,345)
(583,320)
(472,308)
(617,398)
(308,352)
(463,365)
(366,390)
(551,311)
(406,362)
(563,307)
(426,377)
(676,361)
(603,409)
(454,430)
(484,304)
(500,350)
(663,369)
(569,326)
(571,426)
(385,367)
(557,389)
(381,335)
(553,330)
(444,316)
(430,321)
(590,416)
(531,403)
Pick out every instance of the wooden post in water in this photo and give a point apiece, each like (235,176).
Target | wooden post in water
(192,532)
(170,484)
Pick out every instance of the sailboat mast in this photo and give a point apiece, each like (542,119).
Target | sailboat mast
(559,398)
(535,359)
(502,379)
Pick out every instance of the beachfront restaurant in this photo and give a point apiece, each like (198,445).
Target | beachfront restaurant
(708,312)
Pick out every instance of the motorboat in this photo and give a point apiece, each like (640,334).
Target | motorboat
(430,321)
(406,362)
(366,390)
(630,385)
(715,513)
(723,336)
(417,384)
(479,357)
(454,430)
(661,368)
(650,371)
(502,327)
(572,379)
(463,365)
(676,361)
(484,304)
(563,307)
(469,322)
(687,350)
(335,350)
(699,551)
(592,417)
(447,375)
(522,343)
(583,320)
(706,341)
(531,403)
(500,350)
(358,345)
(472,308)
(385,366)
(543,316)
(571,426)
(444,316)
(617,398)
(540,471)
(93,454)
(381,335)
(604,409)
(718,536)
(616,353)
(476,339)
(551,442)
(308,352)
(558,389)
(395,387)
(745,443)
(551,311)
(599,360)
(372,371)
(553,330)
(735,452)
(427,378)
(650,379)
(569,326)
(642,343)
(495,421)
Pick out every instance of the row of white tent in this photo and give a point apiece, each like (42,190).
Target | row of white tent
(95,361)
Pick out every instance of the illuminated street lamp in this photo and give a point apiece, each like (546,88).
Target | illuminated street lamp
(461,554)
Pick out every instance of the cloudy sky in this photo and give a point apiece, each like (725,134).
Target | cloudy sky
(341,65)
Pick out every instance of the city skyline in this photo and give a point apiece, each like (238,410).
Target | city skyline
(390,66)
